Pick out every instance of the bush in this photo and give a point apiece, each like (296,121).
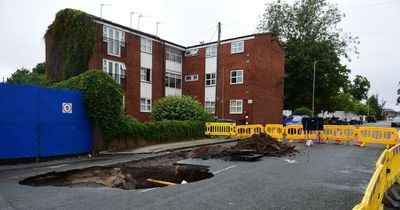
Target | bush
(302,111)
(178,108)
(103,99)
(172,130)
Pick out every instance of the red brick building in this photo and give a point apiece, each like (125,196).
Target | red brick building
(249,84)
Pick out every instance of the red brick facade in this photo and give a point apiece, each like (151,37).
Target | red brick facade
(263,65)
(262,62)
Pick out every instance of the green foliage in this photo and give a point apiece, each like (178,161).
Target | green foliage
(302,111)
(25,77)
(376,108)
(171,130)
(360,87)
(40,68)
(102,98)
(398,95)
(178,108)
(73,37)
(344,102)
(309,33)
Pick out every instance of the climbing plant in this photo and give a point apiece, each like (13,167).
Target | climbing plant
(71,39)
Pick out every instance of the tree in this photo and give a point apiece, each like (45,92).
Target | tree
(40,68)
(309,33)
(375,108)
(25,77)
(177,108)
(344,102)
(398,95)
(360,87)
(302,111)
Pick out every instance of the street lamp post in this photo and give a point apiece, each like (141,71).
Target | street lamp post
(313,88)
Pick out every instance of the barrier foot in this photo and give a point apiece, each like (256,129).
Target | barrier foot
(291,141)
(280,140)
(338,142)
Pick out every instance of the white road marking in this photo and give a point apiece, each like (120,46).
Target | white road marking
(58,166)
(146,190)
(233,166)
(290,161)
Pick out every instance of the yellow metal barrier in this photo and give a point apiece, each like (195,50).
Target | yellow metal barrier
(377,135)
(340,133)
(244,131)
(275,131)
(294,132)
(220,129)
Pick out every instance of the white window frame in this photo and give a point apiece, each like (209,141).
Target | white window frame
(237,47)
(211,51)
(146,45)
(115,40)
(145,105)
(191,78)
(144,74)
(117,70)
(236,106)
(209,107)
(211,80)
(173,55)
(170,76)
(239,79)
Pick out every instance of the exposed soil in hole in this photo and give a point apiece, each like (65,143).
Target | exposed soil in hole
(245,149)
(132,175)
(136,174)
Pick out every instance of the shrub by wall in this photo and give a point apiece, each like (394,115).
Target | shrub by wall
(103,99)
(178,108)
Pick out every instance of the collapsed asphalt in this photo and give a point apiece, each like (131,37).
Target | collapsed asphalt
(318,177)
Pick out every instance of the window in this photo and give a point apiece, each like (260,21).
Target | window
(192,52)
(236,77)
(173,55)
(211,51)
(146,45)
(115,69)
(210,79)
(145,74)
(235,106)
(173,80)
(237,47)
(145,105)
(209,107)
(115,39)
(191,78)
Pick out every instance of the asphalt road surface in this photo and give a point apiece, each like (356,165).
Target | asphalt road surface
(318,177)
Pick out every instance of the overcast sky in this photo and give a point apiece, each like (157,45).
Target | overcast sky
(23,24)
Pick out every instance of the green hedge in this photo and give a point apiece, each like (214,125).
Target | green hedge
(172,130)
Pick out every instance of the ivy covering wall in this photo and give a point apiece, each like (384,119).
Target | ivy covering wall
(70,43)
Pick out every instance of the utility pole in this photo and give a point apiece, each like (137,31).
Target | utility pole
(216,73)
